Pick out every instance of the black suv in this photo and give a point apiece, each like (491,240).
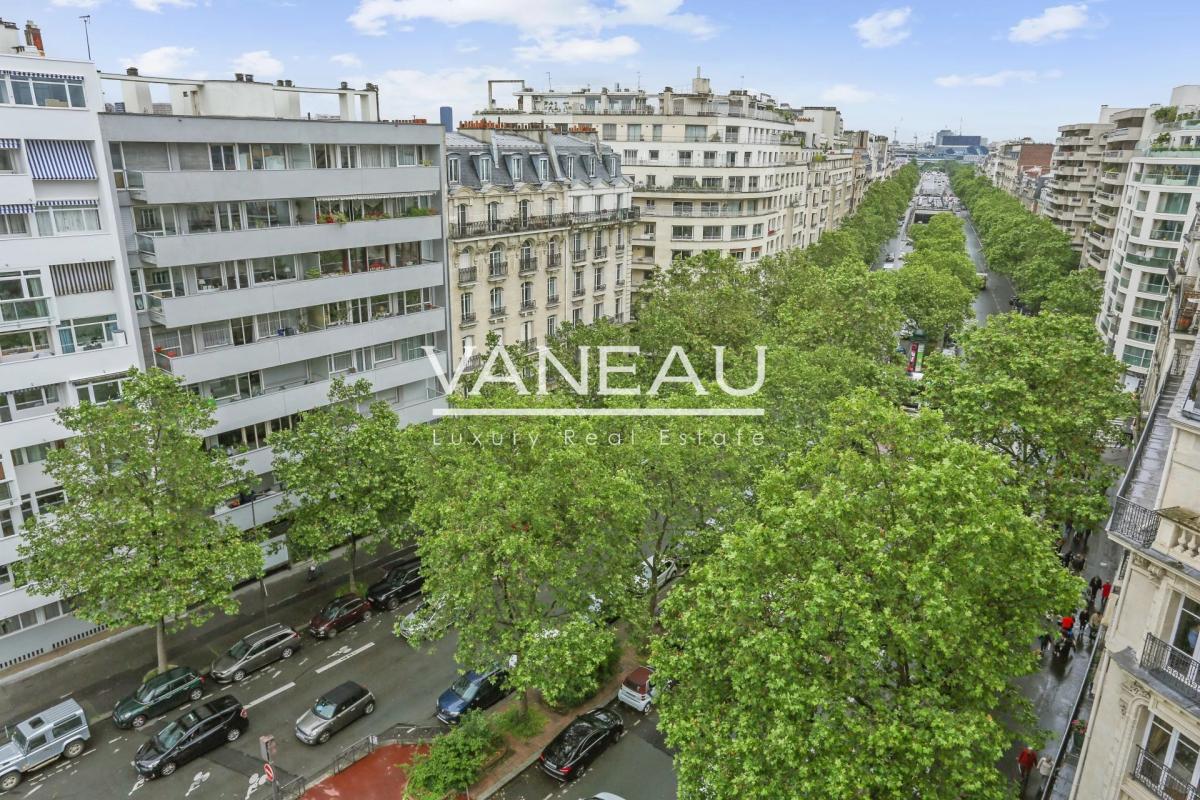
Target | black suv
(400,583)
(204,728)
(255,651)
(159,694)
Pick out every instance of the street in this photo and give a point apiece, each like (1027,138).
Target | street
(406,683)
(637,767)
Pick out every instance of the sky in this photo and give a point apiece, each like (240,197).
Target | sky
(1000,70)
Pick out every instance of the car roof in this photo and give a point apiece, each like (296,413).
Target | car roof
(39,722)
(170,675)
(343,692)
(270,630)
(640,675)
(343,598)
(221,703)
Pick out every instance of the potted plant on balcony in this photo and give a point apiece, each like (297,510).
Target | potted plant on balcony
(1078,731)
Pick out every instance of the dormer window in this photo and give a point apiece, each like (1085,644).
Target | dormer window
(613,164)
(514,168)
(543,167)
(591,167)
(485,169)
(569,168)
(452,171)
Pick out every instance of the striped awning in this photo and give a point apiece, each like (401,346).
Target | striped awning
(52,76)
(10,144)
(67,203)
(17,208)
(60,160)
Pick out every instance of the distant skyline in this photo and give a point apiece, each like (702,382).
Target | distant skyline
(1005,70)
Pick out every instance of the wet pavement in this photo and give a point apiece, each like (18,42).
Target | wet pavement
(379,776)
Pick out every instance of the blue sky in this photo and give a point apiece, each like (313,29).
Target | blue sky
(1006,69)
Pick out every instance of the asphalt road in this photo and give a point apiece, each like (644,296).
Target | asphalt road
(637,767)
(406,683)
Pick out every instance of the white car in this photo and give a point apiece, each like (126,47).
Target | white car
(666,572)
(638,690)
(423,620)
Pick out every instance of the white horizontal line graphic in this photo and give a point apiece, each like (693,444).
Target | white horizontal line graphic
(598,412)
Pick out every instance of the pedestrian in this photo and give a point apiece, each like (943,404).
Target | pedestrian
(1025,762)
(1094,586)
(1105,590)
(1067,623)
(1077,561)
(1094,625)
(1081,619)
(1045,766)
(1065,557)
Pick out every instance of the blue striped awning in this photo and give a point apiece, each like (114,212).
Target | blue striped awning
(52,76)
(10,144)
(17,208)
(60,160)
(67,203)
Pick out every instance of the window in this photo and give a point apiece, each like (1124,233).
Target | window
(268,214)
(737,231)
(631,156)
(543,169)
(21,342)
(523,210)
(527,294)
(347,156)
(591,167)
(14,225)
(222,157)
(552,289)
(33,453)
(485,169)
(261,156)
(276,268)
(569,168)
(576,316)
(466,304)
(48,92)
(1148,309)
(1141,332)
(452,170)
(578,275)
(56,221)
(100,391)
(35,397)
(619,313)
(713,232)
(514,169)
(608,131)
(551,325)
(633,132)
(653,156)
(86,333)
(8,161)
(695,133)
(757,230)
(597,312)
(384,352)
(497,300)
(681,231)
(682,208)
(1173,203)
(1169,759)
(685,158)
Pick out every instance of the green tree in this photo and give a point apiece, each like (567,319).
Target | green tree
(1077,292)
(345,472)
(1042,392)
(135,543)
(563,662)
(937,301)
(855,640)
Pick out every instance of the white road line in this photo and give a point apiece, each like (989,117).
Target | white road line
(119,738)
(351,654)
(302,663)
(34,789)
(269,695)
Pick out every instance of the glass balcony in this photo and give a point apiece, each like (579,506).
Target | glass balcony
(25,309)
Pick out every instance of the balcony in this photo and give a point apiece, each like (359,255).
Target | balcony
(578,291)
(496,312)
(467,275)
(527,265)
(1160,779)
(529,345)
(24,312)
(1149,261)
(600,253)
(519,224)
(1187,308)
(551,300)
(205,248)
(213,303)
(528,305)
(554,261)
(204,186)
(467,318)
(258,510)
(497,270)
(1133,523)
(1172,666)
(598,287)
(579,255)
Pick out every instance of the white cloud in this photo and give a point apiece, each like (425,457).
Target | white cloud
(578,49)
(157,5)
(166,61)
(346,60)
(847,94)
(884,28)
(76,3)
(997,79)
(408,92)
(1056,22)
(465,46)
(549,27)
(259,63)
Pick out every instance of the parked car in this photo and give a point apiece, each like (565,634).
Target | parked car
(605,796)
(255,651)
(982,278)
(425,619)
(333,711)
(638,690)
(890,258)
(580,742)
(204,728)
(161,693)
(60,731)
(400,583)
(472,690)
(338,614)
(666,571)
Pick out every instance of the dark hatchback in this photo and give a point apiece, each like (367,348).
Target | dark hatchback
(400,583)
(159,694)
(221,720)
(338,614)
(580,742)
(472,690)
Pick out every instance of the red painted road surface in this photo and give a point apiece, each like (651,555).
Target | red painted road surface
(379,776)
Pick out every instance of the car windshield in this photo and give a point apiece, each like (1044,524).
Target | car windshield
(464,687)
(324,708)
(168,737)
(240,649)
(19,738)
(330,611)
(145,692)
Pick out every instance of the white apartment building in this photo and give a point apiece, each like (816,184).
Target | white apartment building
(67,331)
(1119,143)
(540,234)
(735,173)
(1078,151)
(1157,209)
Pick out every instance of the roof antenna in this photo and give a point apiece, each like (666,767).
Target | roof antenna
(549,87)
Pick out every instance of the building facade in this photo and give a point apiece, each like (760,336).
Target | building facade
(67,331)
(540,234)
(733,173)
(1078,152)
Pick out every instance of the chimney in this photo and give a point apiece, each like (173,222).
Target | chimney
(131,71)
(345,85)
(33,37)
(249,78)
(287,83)
(239,77)
(279,82)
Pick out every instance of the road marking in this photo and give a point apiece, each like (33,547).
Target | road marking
(302,663)
(34,789)
(269,695)
(137,785)
(119,738)
(351,654)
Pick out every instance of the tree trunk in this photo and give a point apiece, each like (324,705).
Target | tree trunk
(525,703)
(353,555)
(160,644)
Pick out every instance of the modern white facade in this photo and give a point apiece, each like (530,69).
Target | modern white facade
(67,330)
(733,173)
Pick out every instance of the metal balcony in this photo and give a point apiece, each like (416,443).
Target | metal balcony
(1133,522)
(527,265)
(467,275)
(1172,665)
(497,271)
(1160,779)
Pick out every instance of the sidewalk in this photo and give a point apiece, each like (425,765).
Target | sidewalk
(100,671)
(379,776)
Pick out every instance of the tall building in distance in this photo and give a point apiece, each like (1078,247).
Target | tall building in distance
(736,173)
(67,330)
(540,232)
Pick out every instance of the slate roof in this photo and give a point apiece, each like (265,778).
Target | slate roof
(566,147)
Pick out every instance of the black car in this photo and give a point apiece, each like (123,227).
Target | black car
(580,742)
(472,690)
(221,720)
(400,583)
(159,694)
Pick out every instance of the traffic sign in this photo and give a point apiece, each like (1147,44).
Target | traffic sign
(269,772)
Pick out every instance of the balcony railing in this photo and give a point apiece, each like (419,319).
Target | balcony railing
(1149,261)
(25,309)
(578,291)
(1160,779)
(551,299)
(554,261)
(528,305)
(530,344)
(468,317)
(497,270)
(461,230)
(600,252)
(579,255)
(497,311)
(1172,665)
(467,275)
(598,287)
(1134,523)
(527,265)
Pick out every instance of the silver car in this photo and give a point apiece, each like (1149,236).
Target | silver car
(425,619)
(333,711)
(255,651)
(58,732)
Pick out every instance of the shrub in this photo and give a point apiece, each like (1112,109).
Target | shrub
(454,759)
(519,725)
